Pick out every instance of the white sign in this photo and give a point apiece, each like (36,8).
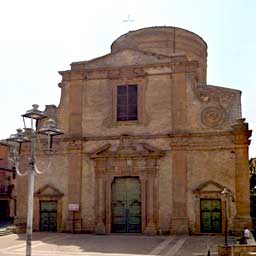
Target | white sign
(73,207)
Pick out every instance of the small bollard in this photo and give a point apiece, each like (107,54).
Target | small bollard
(208,249)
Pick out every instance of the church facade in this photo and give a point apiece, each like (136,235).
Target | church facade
(148,145)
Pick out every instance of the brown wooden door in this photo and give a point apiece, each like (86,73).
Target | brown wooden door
(126,205)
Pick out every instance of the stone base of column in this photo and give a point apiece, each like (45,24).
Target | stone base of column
(150,229)
(20,224)
(179,225)
(100,229)
(239,223)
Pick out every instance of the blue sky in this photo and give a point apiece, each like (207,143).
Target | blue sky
(40,38)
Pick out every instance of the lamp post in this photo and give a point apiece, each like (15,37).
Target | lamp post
(225,193)
(29,135)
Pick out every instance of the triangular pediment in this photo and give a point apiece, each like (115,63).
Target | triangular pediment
(209,186)
(126,57)
(126,148)
(48,191)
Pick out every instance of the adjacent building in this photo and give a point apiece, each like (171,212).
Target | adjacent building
(148,146)
(7,186)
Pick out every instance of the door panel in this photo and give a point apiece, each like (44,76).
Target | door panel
(48,216)
(126,206)
(210,216)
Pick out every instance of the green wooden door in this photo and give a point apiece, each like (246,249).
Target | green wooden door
(210,216)
(48,216)
(126,206)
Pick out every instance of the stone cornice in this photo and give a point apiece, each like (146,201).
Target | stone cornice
(179,141)
(153,136)
(215,140)
(132,70)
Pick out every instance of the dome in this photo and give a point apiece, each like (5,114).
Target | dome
(166,41)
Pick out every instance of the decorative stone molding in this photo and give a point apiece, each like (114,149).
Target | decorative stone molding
(208,93)
(211,187)
(141,82)
(48,191)
(174,64)
(75,144)
(216,101)
(127,159)
(127,149)
(197,141)
(213,116)
(129,72)
(211,190)
(241,132)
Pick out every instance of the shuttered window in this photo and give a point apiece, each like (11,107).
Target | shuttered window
(127,102)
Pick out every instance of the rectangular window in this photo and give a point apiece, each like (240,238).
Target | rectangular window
(127,102)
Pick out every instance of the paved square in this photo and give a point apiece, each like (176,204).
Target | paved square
(50,244)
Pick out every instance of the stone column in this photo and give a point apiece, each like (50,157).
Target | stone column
(12,207)
(75,147)
(143,202)
(108,204)
(100,226)
(241,136)
(151,227)
(179,219)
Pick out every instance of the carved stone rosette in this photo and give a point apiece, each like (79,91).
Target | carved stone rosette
(213,116)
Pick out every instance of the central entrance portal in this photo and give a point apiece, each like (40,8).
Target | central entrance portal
(126,205)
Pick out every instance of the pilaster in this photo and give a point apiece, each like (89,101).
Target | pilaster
(100,207)
(241,141)
(74,182)
(179,220)
(151,226)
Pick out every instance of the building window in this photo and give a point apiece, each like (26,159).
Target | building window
(127,102)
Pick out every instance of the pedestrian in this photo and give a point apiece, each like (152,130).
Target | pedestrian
(246,235)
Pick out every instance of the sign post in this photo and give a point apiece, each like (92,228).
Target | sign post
(73,208)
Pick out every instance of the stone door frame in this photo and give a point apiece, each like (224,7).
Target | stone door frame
(47,193)
(211,190)
(104,203)
(126,161)
(40,214)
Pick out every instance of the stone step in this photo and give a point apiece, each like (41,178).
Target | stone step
(7,231)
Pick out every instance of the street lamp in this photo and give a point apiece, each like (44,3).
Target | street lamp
(29,135)
(225,193)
